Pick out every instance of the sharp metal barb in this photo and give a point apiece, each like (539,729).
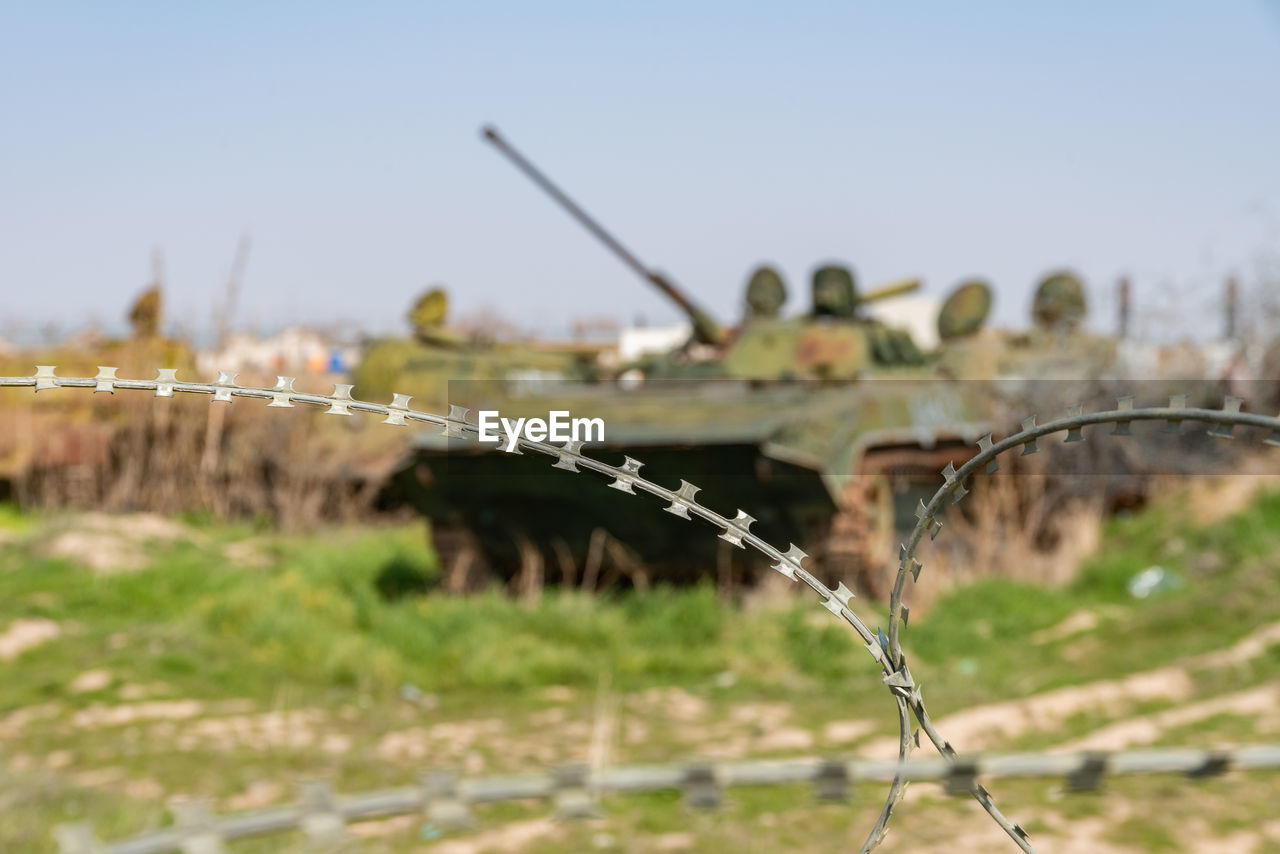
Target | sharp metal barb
(1123,404)
(737,528)
(1214,764)
(1075,434)
(455,425)
(1231,406)
(105,380)
(165,380)
(397,409)
(223,387)
(788,564)
(1174,425)
(832,781)
(340,401)
(45,377)
(1088,775)
(626,477)
(683,499)
(930,521)
(282,393)
(1029,447)
(900,678)
(567,458)
(984,445)
(906,560)
(701,787)
(961,779)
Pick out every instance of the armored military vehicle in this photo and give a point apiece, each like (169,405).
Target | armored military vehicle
(436,355)
(827,427)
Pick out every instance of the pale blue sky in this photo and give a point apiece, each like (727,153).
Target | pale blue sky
(934,139)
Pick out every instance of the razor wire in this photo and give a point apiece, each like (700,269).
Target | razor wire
(444,800)
(885,649)
(1223,422)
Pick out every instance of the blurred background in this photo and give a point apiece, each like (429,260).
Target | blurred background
(828,247)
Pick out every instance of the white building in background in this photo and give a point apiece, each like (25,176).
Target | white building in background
(916,313)
(637,341)
(291,352)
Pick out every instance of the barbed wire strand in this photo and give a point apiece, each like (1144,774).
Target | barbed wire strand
(1073,424)
(572,787)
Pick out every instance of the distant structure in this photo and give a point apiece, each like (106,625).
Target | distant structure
(1125,296)
(293,351)
(1232,310)
(916,313)
(635,342)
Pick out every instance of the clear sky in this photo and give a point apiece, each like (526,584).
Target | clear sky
(935,139)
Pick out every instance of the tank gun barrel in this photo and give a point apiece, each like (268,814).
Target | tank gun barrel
(705,328)
(894,289)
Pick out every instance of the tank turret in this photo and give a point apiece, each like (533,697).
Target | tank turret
(965,310)
(834,293)
(1059,304)
(427,318)
(144,314)
(766,293)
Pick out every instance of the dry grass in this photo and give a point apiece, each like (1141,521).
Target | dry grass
(133,453)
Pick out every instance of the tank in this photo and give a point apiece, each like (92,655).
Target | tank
(828,426)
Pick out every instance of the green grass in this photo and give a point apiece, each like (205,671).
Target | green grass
(13,519)
(316,620)
(987,623)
